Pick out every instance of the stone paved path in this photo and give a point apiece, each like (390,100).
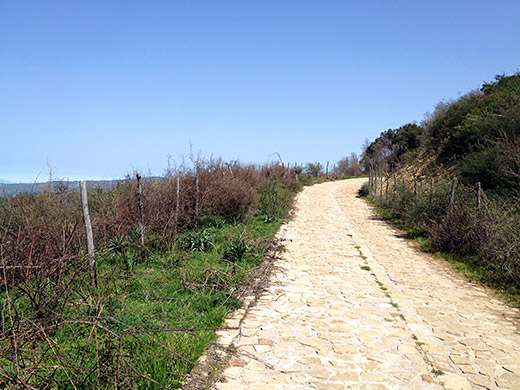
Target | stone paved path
(358,307)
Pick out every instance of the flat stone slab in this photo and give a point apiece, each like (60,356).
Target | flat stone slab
(353,306)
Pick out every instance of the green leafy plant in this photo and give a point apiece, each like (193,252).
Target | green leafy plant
(236,250)
(275,200)
(199,240)
(269,218)
(364,191)
(314,169)
(212,221)
(120,251)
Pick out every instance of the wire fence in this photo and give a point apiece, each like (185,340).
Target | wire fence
(479,228)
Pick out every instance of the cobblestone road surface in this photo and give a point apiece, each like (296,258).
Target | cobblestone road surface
(355,306)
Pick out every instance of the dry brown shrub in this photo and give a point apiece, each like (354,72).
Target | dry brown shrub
(38,234)
(488,236)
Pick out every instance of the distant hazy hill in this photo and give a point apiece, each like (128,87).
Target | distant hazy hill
(4,182)
(9,189)
(12,189)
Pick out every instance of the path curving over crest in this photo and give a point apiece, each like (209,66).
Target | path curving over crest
(355,306)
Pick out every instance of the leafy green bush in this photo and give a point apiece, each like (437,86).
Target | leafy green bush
(314,169)
(211,221)
(364,191)
(275,200)
(236,250)
(476,137)
(198,240)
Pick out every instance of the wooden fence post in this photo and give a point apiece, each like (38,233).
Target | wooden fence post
(452,193)
(381,182)
(90,236)
(479,194)
(197,196)
(327,170)
(177,205)
(432,182)
(141,214)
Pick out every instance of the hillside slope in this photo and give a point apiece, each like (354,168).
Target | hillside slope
(455,180)
(476,137)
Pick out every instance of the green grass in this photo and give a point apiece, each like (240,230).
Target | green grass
(161,313)
(476,272)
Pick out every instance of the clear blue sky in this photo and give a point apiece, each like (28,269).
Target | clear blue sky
(100,88)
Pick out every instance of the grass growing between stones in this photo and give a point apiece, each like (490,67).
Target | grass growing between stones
(366,267)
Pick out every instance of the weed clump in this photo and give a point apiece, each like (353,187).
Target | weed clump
(236,250)
(198,240)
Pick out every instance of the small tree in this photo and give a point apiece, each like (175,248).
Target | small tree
(348,166)
(314,169)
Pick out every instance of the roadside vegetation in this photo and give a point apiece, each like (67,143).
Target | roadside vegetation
(207,229)
(453,182)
